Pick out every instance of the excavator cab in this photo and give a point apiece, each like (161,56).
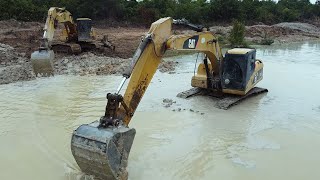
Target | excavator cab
(241,70)
(84,26)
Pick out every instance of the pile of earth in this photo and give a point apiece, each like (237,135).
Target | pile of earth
(90,63)
(23,36)
(280,33)
(15,66)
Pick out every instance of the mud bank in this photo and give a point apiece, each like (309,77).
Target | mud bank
(24,36)
(17,67)
(281,33)
(19,39)
(13,66)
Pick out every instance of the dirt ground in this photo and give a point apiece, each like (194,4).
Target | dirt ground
(279,33)
(19,39)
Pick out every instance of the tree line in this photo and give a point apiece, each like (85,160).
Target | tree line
(146,11)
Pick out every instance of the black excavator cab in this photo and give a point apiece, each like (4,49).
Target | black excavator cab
(238,66)
(84,26)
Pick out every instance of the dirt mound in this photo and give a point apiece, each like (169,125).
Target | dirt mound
(126,40)
(282,32)
(16,66)
(16,73)
(221,30)
(167,66)
(300,27)
(13,66)
(261,30)
(14,24)
(8,56)
(23,36)
(89,63)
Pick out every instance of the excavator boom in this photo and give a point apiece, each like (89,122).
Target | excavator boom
(102,147)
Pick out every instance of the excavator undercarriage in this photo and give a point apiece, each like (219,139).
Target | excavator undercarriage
(220,100)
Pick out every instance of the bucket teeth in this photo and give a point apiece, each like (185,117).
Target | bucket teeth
(102,152)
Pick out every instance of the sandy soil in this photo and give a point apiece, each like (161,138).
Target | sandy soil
(19,39)
(16,66)
(280,33)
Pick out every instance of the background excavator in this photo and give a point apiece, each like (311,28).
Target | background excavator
(102,147)
(75,38)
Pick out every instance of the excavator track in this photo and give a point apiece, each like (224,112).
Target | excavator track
(102,152)
(68,48)
(224,101)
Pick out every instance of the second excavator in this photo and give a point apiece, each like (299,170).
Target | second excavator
(76,37)
(101,148)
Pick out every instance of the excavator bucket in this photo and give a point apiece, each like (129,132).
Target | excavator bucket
(42,62)
(102,152)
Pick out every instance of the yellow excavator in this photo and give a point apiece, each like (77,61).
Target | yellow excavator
(101,148)
(75,38)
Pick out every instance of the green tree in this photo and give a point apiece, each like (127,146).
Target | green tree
(147,11)
(236,37)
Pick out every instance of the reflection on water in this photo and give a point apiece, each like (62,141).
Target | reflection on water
(262,138)
(292,52)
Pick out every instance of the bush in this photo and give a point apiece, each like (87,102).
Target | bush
(267,40)
(236,37)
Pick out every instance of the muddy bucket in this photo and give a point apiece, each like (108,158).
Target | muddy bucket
(102,152)
(42,62)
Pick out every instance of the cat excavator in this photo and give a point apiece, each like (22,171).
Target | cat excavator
(102,147)
(75,38)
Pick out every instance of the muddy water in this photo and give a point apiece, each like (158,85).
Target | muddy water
(272,136)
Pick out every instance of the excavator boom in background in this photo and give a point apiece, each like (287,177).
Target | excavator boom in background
(75,38)
(102,147)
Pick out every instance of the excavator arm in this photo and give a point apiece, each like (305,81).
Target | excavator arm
(143,66)
(149,55)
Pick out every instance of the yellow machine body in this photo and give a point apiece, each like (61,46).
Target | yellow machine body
(102,147)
